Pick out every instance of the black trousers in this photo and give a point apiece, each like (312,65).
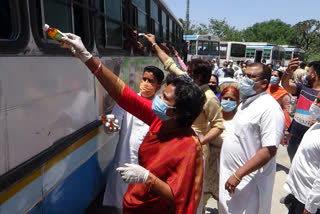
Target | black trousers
(295,206)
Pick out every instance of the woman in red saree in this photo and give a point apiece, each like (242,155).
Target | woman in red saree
(283,98)
(169,176)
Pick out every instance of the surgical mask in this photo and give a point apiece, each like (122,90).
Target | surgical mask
(147,89)
(246,87)
(277,66)
(228,105)
(160,108)
(314,112)
(274,80)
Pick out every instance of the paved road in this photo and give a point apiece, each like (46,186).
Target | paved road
(283,164)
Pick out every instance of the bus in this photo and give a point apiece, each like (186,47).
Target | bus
(292,52)
(204,47)
(256,52)
(235,51)
(54,154)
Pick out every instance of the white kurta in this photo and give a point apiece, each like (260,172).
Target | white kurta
(259,122)
(132,133)
(304,176)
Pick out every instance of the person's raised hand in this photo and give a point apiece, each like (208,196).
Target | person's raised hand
(293,65)
(74,42)
(151,38)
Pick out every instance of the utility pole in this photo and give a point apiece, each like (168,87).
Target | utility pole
(187,17)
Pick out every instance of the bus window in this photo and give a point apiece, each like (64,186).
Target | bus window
(203,49)
(192,47)
(250,53)
(288,55)
(238,50)
(223,51)
(108,24)
(63,21)
(214,49)
(6,25)
(275,54)
(164,25)
(266,54)
(14,28)
(154,10)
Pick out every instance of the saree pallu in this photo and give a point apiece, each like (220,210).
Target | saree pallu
(175,158)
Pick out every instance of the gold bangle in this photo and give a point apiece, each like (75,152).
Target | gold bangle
(234,174)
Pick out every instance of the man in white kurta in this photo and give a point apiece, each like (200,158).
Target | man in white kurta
(303,182)
(132,133)
(256,129)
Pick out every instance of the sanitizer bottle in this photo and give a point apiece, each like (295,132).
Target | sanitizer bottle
(53,33)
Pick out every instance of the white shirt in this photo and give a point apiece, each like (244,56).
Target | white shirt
(304,176)
(227,80)
(259,122)
(132,133)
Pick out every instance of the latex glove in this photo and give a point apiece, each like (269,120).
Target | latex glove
(133,173)
(110,122)
(77,48)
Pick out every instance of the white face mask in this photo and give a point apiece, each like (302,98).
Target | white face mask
(314,112)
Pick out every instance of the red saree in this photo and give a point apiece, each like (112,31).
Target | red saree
(174,156)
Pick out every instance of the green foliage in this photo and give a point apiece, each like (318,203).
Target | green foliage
(273,31)
(308,38)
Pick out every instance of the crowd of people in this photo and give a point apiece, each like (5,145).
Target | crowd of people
(211,132)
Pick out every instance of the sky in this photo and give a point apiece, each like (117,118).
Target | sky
(244,13)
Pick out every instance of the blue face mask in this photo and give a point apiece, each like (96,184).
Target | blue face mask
(274,80)
(160,108)
(246,87)
(228,105)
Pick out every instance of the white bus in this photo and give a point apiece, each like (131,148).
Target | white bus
(256,52)
(202,46)
(292,52)
(54,154)
(235,51)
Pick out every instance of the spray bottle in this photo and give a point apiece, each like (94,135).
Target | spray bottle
(53,33)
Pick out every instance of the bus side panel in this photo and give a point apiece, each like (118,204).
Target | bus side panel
(44,99)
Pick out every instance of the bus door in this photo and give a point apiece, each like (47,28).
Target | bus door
(258,56)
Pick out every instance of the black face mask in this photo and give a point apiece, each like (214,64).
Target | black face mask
(213,88)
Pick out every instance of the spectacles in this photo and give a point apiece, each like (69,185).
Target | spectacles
(249,75)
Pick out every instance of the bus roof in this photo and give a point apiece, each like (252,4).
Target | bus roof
(208,37)
(259,44)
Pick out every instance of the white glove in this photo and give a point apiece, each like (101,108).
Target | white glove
(133,173)
(77,48)
(111,122)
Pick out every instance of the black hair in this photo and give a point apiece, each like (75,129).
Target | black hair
(316,67)
(157,72)
(303,65)
(228,72)
(265,74)
(280,74)
(217,78)
(203,69)
(189,99)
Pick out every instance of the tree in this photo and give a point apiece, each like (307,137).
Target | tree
(273,31)
(223,30)
(192,28)
(308,34)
